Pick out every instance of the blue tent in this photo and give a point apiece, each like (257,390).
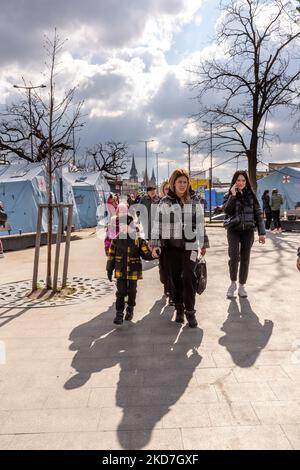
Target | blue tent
(287,181)
(91,191)
(23,186)
(217,196)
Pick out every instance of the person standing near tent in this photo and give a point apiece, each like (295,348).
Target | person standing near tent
(267,208)
(243,214)
(276,203)
(181,207)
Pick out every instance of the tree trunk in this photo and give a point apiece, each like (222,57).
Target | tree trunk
(252,163)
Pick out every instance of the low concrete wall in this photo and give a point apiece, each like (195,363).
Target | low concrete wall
(26,240)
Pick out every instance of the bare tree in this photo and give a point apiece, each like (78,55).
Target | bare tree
(257,74)
(23,121)
(60,122)
(111,158)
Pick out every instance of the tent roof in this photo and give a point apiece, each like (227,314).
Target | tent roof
(83,178)
(286,171)
(20,172)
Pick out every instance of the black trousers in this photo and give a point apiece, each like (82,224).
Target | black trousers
(164,274)
(239,248)
(181,270)
(268,219)
(276,219)
(124,288)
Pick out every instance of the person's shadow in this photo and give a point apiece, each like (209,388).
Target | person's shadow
(157,360)
(245,337)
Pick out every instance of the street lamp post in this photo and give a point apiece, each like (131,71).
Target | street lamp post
(146,158)
(29,88)
(189,154)
(169,161)
(210,172)
(157,154)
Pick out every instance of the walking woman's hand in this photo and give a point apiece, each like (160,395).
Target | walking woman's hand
(298,262)
(262,239)
(203,251)
(233,190)
(156,252)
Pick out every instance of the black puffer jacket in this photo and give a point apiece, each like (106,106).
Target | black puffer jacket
(174,221)
(245,205)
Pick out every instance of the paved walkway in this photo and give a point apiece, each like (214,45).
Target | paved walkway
(73,381)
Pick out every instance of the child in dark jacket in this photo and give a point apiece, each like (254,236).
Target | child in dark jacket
(124,257)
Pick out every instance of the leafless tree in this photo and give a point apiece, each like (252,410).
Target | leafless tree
(111,158)
(257,73)
(20,123)
(60,123)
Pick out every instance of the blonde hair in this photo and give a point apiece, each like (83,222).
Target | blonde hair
(177,174)
(162,188)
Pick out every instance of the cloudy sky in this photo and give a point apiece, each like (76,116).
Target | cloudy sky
(129,59)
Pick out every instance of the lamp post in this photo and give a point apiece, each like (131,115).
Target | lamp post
(157,154)
(169,161)
(189,155)
(210,171)
(29,88)
(146,158)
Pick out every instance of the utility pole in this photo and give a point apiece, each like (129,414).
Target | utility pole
(210,171)
(189,155)
(169,161)
(157,154)
(146,158)
(29,88)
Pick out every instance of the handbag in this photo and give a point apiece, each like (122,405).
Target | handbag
(201,274)
(232,222)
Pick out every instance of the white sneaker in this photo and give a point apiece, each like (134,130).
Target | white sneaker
(242,291)
(231,291)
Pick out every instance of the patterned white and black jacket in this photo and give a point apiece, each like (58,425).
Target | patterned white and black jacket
(178,225)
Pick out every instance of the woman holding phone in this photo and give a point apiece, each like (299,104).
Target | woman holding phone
(243,214)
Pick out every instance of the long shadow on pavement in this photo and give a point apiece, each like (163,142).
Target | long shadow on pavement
(157,359)
(245,337)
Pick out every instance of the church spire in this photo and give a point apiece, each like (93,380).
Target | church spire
(153,179)
(133,171)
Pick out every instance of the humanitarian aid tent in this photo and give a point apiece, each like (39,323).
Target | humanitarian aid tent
(23,186)
(287,181)
(91,192)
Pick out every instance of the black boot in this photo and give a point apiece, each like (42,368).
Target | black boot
(129,313)
(191,318)
(179,313)
(118,320)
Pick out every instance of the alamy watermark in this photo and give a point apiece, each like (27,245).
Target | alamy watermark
(163,222)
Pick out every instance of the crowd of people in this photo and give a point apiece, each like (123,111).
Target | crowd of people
(165,238)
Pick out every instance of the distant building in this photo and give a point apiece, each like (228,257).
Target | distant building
(278,166)
(130,186)
(152,181)
(133,172)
